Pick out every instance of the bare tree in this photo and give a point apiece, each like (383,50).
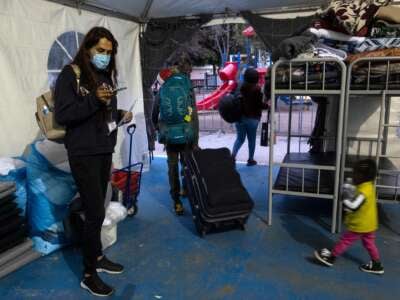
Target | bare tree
(210,45)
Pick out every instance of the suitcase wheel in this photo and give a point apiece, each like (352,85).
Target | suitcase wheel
(241,225)
(201,228)
(201,231)
(133,210)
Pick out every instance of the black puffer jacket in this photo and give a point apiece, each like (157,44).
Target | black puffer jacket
(84,116)
(252,101)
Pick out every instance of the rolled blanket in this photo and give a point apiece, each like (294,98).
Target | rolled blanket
(377,53)
(383,29)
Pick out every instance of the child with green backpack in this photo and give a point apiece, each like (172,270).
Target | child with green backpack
(175,117)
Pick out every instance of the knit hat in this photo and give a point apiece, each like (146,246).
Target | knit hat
(251,75)
(163,75)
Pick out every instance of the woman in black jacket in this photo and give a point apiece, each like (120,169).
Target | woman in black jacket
(88,109)
(252,106)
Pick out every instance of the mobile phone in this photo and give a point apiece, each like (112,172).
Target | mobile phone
(118,89)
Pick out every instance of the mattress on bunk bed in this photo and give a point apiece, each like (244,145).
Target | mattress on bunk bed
(378,77)
(314,80)
(295,175)
(327,178)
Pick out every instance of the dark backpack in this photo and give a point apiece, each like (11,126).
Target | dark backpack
(230,107)
(176,107)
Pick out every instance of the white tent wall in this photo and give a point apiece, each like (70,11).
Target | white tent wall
(28,29)
(363,122)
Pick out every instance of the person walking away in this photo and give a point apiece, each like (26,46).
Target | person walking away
(175,116)
(252,106)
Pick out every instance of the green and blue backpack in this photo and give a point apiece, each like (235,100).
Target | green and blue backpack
(176,107)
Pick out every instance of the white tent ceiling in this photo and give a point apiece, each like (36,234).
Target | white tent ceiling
(144,9)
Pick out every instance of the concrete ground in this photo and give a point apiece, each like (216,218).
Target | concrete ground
(261,155)
(164,258)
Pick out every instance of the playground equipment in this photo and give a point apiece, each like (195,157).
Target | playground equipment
(228,75)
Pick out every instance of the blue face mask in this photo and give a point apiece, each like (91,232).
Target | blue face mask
(101,61)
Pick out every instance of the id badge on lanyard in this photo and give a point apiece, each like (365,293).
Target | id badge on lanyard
(111,124)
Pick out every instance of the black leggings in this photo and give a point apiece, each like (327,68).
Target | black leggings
(91,174)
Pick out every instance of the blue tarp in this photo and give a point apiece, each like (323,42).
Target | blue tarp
(49,192)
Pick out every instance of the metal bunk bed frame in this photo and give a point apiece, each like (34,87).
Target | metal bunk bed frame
(384,124)
(307,92)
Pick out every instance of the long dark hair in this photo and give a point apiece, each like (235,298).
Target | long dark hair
(82,58)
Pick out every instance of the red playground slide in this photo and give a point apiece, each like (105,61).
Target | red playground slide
(228,75)
(211,101)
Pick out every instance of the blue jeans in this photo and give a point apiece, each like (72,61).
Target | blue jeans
(246,126)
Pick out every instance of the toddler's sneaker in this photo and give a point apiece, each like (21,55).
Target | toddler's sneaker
(325,256)
(374,267)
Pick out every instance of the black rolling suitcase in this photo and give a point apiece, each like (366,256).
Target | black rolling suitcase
(216,193)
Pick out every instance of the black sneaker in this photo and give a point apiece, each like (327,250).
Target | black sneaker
(251,162)
(105,265)
(374,267)
(96,286)
(325,256)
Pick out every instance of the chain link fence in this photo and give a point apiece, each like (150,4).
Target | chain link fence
(303,118)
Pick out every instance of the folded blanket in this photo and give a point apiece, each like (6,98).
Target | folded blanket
(354,16)
(389,13)
(376,44)
(348,47)
(384,29)
(324,51)
(333,35)
(376,53)
(366,45)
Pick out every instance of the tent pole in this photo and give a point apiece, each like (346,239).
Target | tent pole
(146,10)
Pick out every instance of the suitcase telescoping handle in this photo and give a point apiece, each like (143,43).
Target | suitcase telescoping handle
(265,131)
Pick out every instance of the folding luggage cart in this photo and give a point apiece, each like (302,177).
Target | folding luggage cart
(127,180)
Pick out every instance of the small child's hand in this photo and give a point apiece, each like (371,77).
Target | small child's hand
(349,191)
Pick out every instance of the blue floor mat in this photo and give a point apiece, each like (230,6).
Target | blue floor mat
(165,259)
